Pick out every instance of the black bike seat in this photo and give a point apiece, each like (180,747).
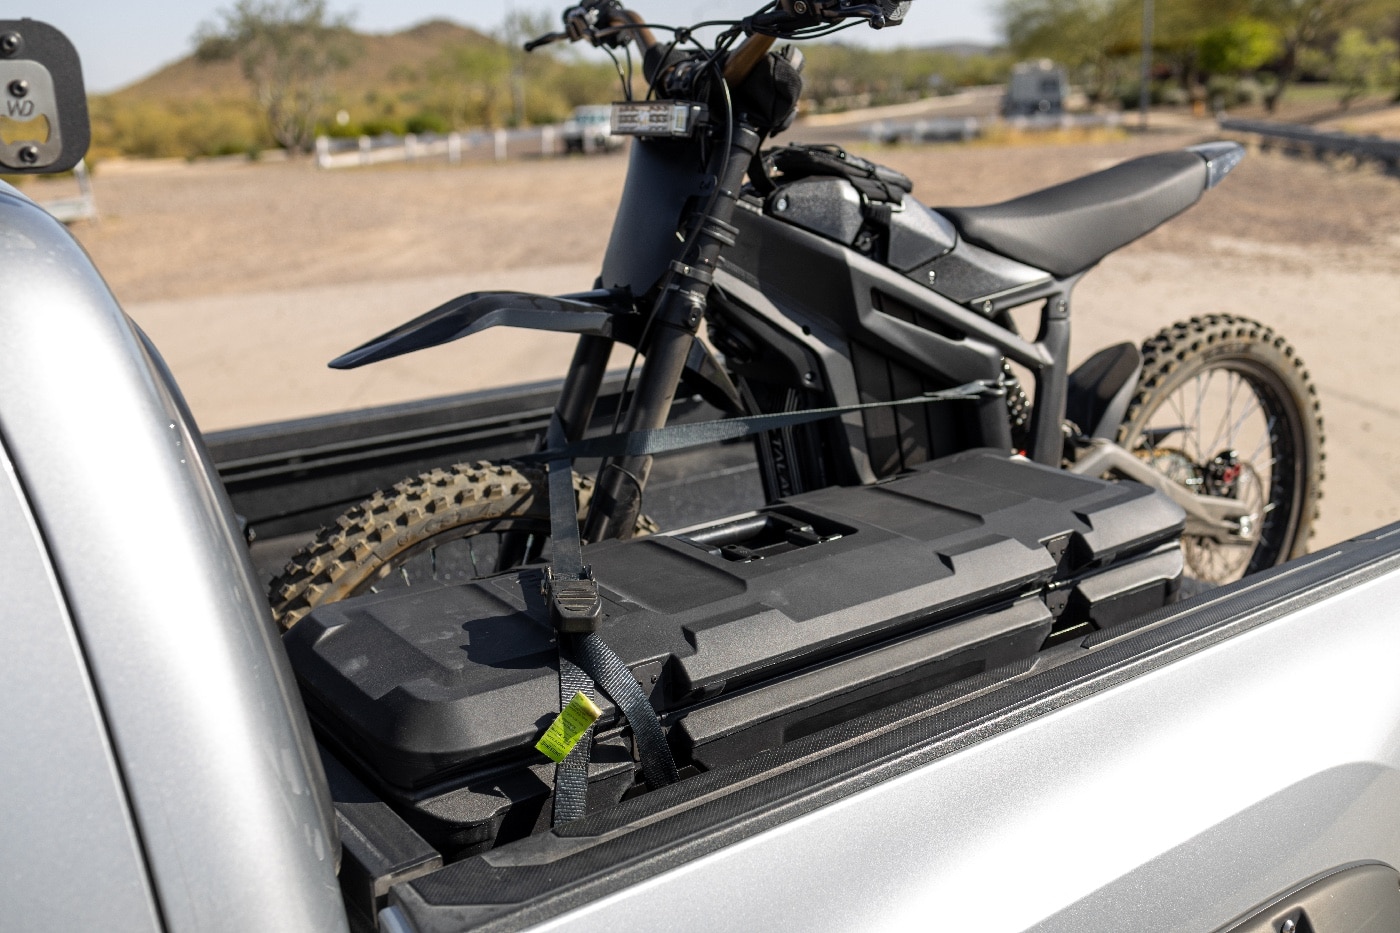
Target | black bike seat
(1069,227)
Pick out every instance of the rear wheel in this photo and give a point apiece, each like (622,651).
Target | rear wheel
(1226,408)
(448,525)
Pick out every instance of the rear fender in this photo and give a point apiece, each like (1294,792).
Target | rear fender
(1101,388)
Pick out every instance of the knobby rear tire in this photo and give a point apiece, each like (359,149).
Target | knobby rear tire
(1183,363)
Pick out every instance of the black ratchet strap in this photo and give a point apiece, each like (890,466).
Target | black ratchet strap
(575,609)
(684,436)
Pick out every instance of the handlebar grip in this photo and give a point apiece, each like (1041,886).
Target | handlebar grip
(546,39)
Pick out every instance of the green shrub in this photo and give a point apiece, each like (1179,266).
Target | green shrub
(175,129)
(427,122)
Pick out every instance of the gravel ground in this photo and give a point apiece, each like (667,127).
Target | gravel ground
(250,276)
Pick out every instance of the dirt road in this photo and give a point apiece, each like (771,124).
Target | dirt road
(250,277)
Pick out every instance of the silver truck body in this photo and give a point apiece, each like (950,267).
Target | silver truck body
(145,670)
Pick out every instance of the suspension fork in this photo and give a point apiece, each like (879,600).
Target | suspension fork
(679,313)
(577,397)
(579,393)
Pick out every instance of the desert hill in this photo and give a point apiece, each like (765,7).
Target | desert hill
(441,75)
(388,62)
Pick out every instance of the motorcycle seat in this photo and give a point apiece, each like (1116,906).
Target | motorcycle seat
(1069,227)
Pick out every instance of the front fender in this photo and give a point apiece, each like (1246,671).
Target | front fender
(593,314)
(600,313)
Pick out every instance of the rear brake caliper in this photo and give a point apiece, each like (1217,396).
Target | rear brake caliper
(1223,474)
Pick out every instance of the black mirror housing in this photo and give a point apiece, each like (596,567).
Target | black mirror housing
(44,124)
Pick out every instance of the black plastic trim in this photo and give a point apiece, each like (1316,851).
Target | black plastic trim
(1359,897)
(593,314)
(41,43)
(1100,389)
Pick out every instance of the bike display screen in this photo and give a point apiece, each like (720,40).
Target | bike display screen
(670,118)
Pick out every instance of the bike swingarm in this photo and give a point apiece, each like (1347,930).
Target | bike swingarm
(1218,518)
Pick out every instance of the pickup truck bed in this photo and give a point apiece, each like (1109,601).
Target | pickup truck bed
(286,479)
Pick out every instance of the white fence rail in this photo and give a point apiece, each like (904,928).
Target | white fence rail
(493,145)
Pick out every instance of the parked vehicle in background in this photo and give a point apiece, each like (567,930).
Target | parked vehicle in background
(1038,87)
(590,130)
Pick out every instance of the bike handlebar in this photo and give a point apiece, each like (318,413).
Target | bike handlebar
(608,22)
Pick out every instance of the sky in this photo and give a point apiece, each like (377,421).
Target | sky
(121,42)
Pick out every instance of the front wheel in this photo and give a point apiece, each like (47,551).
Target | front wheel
(450,525)
(1225,407)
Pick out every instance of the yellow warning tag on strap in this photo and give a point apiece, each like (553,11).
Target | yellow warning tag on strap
(568,727)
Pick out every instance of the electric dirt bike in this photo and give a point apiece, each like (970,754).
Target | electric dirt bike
(855,332)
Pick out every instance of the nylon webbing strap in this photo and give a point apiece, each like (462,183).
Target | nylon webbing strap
(566,568)
(574,605)
(571,774)
(683,436)
(615,677)
(583,657)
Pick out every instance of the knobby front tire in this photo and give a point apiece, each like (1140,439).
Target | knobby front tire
(449,525)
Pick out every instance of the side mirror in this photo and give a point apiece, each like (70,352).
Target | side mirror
(43,110)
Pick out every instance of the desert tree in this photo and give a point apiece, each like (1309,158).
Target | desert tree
(470,81)
(1303,26)
(1361,64)
(1238,46)
(287,50)
(1090,37)
(519,27)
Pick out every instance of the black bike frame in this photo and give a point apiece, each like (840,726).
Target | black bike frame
(661,190)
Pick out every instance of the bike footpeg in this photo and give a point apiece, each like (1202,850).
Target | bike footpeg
(575,608)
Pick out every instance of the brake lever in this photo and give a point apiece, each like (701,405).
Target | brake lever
(808,13)
(874,13)
(580,23)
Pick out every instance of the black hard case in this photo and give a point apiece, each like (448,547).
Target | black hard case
(747,633)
